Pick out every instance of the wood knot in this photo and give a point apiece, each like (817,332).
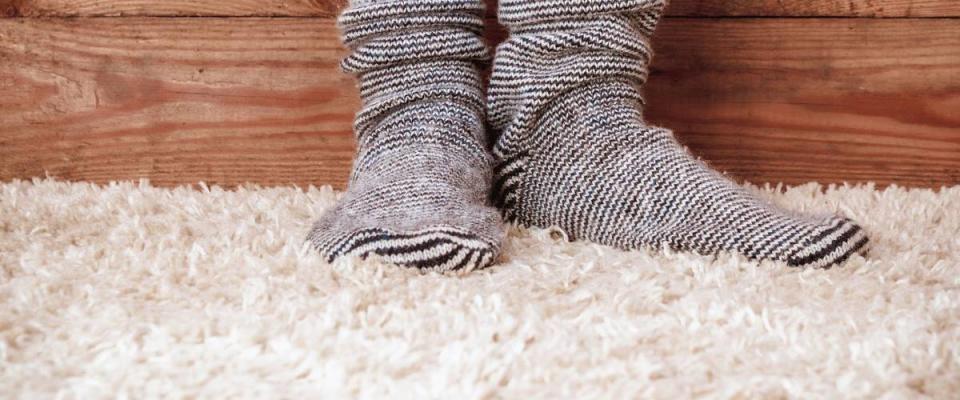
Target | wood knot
(10,8)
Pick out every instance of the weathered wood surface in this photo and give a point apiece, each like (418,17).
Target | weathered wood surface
(816,8)
(327,8)
(175,100)
(814,99)
(226,101)
(222,8)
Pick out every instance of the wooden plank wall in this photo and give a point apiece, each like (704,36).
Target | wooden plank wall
(770,91)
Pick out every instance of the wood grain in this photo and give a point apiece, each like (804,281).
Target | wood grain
(175,100)
(814,99)
(815,8)
(208,8)
(327,8)
(226,101)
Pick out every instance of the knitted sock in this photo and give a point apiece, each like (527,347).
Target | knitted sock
(418,193)
(575,152)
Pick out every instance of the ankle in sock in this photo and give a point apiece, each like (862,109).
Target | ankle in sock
(574,150)
(418,192)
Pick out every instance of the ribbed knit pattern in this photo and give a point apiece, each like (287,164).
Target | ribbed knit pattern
(574,150)
(418,192)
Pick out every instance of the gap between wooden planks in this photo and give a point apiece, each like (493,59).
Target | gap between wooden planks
(227,101)
(329,8)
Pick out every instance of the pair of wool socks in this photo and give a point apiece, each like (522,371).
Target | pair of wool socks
(572,148)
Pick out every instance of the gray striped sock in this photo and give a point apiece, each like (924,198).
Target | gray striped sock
(575,152)
(418,192)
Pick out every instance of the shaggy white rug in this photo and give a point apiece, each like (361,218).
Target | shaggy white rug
(131,291)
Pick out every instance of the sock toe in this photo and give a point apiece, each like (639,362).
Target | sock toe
(831,246)
(437,249)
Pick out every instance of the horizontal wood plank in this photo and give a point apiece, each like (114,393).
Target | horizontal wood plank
(175,100)
(815,8)
(227,101)
(327,8)
(814,99)
(181,8)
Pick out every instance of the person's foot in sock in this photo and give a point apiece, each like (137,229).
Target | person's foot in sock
(418,193)
(574,150)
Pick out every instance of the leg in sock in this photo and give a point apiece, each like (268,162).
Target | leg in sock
(574,150)
(418,193)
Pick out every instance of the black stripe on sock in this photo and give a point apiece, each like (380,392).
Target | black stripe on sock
(853,250)
(828,232)
(840,241)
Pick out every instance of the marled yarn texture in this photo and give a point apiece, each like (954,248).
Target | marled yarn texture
(419,187)
(574,150)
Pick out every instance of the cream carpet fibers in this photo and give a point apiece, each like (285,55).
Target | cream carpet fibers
(136,292)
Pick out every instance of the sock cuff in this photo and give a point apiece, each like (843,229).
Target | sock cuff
(370,14)
(522,13)
(385,33)
(557,46)
(362,3)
